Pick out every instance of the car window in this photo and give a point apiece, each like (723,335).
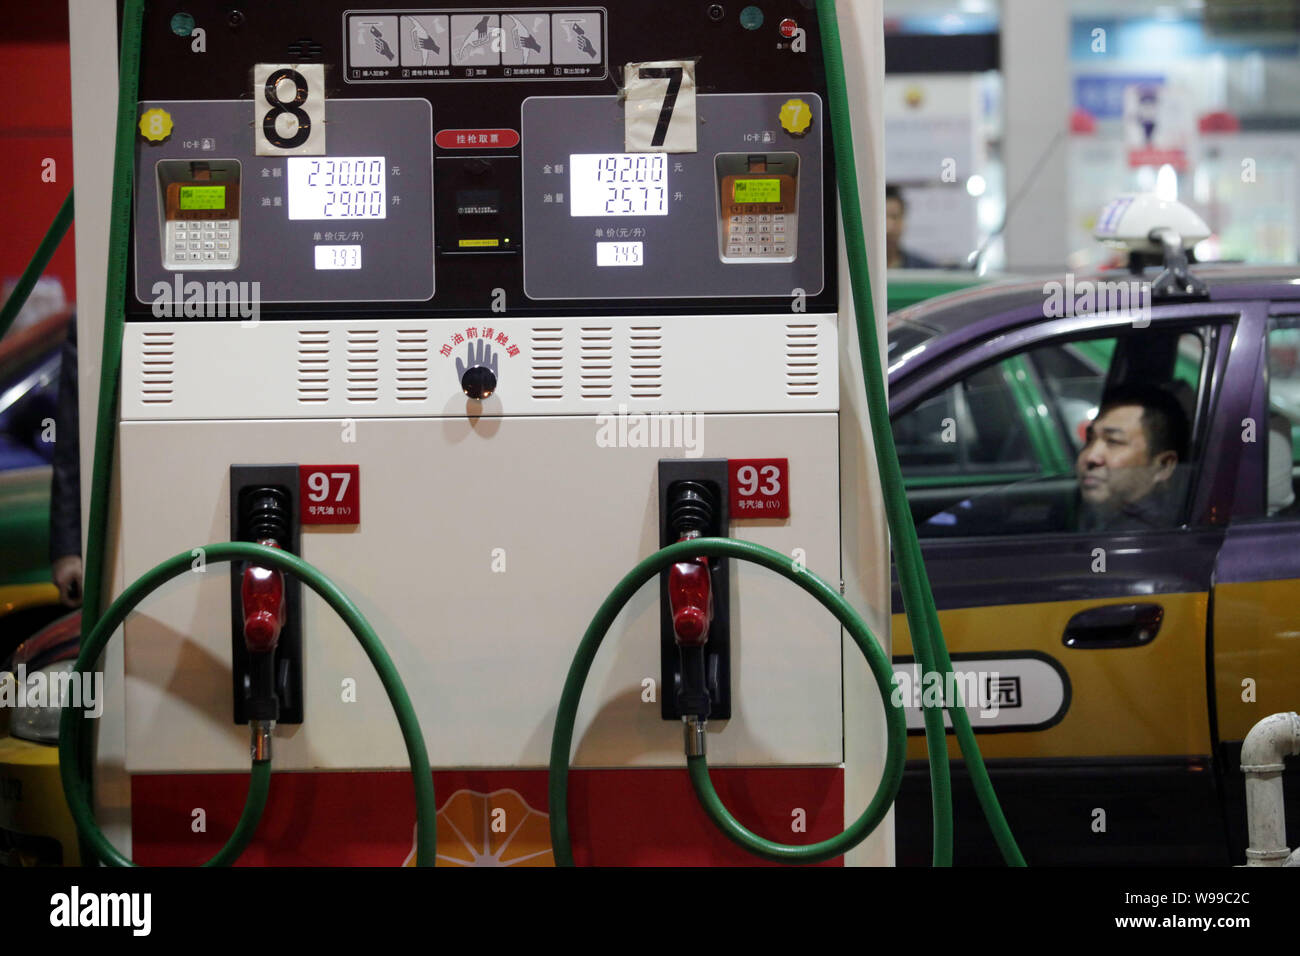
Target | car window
(1017,447)
(28,399)
(1283,448)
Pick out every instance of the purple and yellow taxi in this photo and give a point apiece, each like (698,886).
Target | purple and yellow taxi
(1118,655)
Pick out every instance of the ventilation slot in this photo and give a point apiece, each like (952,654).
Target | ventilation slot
(801,360)
(412,365)
(363,365)
(596,365)
(547,355)
(304,49)
(647,361)
(313,366)
(157,368)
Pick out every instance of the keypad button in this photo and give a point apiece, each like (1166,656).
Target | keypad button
(223,234)
(180,236)
(780,250)
(778,217)
(194,246)
(181,257)
(209,255)
(223,245)
(223,255)
(223,223)
(735,250)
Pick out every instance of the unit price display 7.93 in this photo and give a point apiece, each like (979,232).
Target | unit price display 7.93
(337,188)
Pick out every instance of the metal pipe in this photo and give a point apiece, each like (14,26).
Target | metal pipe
(1266,746)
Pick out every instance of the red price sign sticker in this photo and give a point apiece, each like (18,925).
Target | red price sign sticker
(760,487)
(329,494)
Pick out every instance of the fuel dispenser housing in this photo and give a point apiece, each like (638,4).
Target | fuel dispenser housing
(493,519)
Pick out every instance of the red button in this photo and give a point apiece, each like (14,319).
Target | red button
(788,28)
(477,139)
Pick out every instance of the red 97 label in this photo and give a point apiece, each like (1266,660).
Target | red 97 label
(760,487)
(329,494)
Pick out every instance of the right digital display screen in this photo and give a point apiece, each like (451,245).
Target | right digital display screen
(757,191)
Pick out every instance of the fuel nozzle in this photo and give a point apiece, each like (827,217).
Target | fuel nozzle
(691,514)
(264,607)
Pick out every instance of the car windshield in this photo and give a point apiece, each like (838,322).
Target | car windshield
(905,336)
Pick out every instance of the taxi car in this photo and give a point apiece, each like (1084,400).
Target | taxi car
(1127,665)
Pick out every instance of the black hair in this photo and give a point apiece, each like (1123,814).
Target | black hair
(1163,419)
(893,192)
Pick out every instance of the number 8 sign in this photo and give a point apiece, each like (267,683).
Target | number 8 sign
(760,487)
(289,109)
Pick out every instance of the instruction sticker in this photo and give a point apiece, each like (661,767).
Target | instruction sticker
(659,111)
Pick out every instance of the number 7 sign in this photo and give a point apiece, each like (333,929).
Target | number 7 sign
(329,494)
(659,116)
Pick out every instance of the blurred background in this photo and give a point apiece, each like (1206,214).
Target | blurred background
(1048,108)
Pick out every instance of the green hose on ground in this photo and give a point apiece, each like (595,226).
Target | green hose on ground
(830,598)
(40,259)
(72,738)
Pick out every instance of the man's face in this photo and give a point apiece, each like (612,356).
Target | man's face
(893,222)
(1116,467)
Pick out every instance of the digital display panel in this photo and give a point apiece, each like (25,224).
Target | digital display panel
(338,257)
(342,187)
(618,184)
(757,190)
(203,197)
(620,253)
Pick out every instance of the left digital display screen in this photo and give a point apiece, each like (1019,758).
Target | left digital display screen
(203,197)
(343,187)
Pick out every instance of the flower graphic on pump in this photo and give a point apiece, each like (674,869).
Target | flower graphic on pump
(491,829)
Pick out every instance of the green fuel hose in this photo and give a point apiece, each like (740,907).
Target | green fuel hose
(40,259)
(830,598)
(918,600)
(72,738)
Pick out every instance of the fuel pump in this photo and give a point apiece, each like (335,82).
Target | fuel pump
(550,289)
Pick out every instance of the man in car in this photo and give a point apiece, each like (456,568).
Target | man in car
(1127,466)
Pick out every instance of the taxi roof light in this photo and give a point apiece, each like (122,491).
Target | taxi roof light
(1147,226)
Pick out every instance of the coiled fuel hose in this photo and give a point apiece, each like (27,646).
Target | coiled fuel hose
(918,601)
(72,722)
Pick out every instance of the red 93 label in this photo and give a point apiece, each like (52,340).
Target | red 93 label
(760,487)
(329,494)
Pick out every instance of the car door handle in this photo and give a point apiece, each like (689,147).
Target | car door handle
(1114,625)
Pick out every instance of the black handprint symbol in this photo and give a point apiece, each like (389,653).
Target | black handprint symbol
(478,372)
